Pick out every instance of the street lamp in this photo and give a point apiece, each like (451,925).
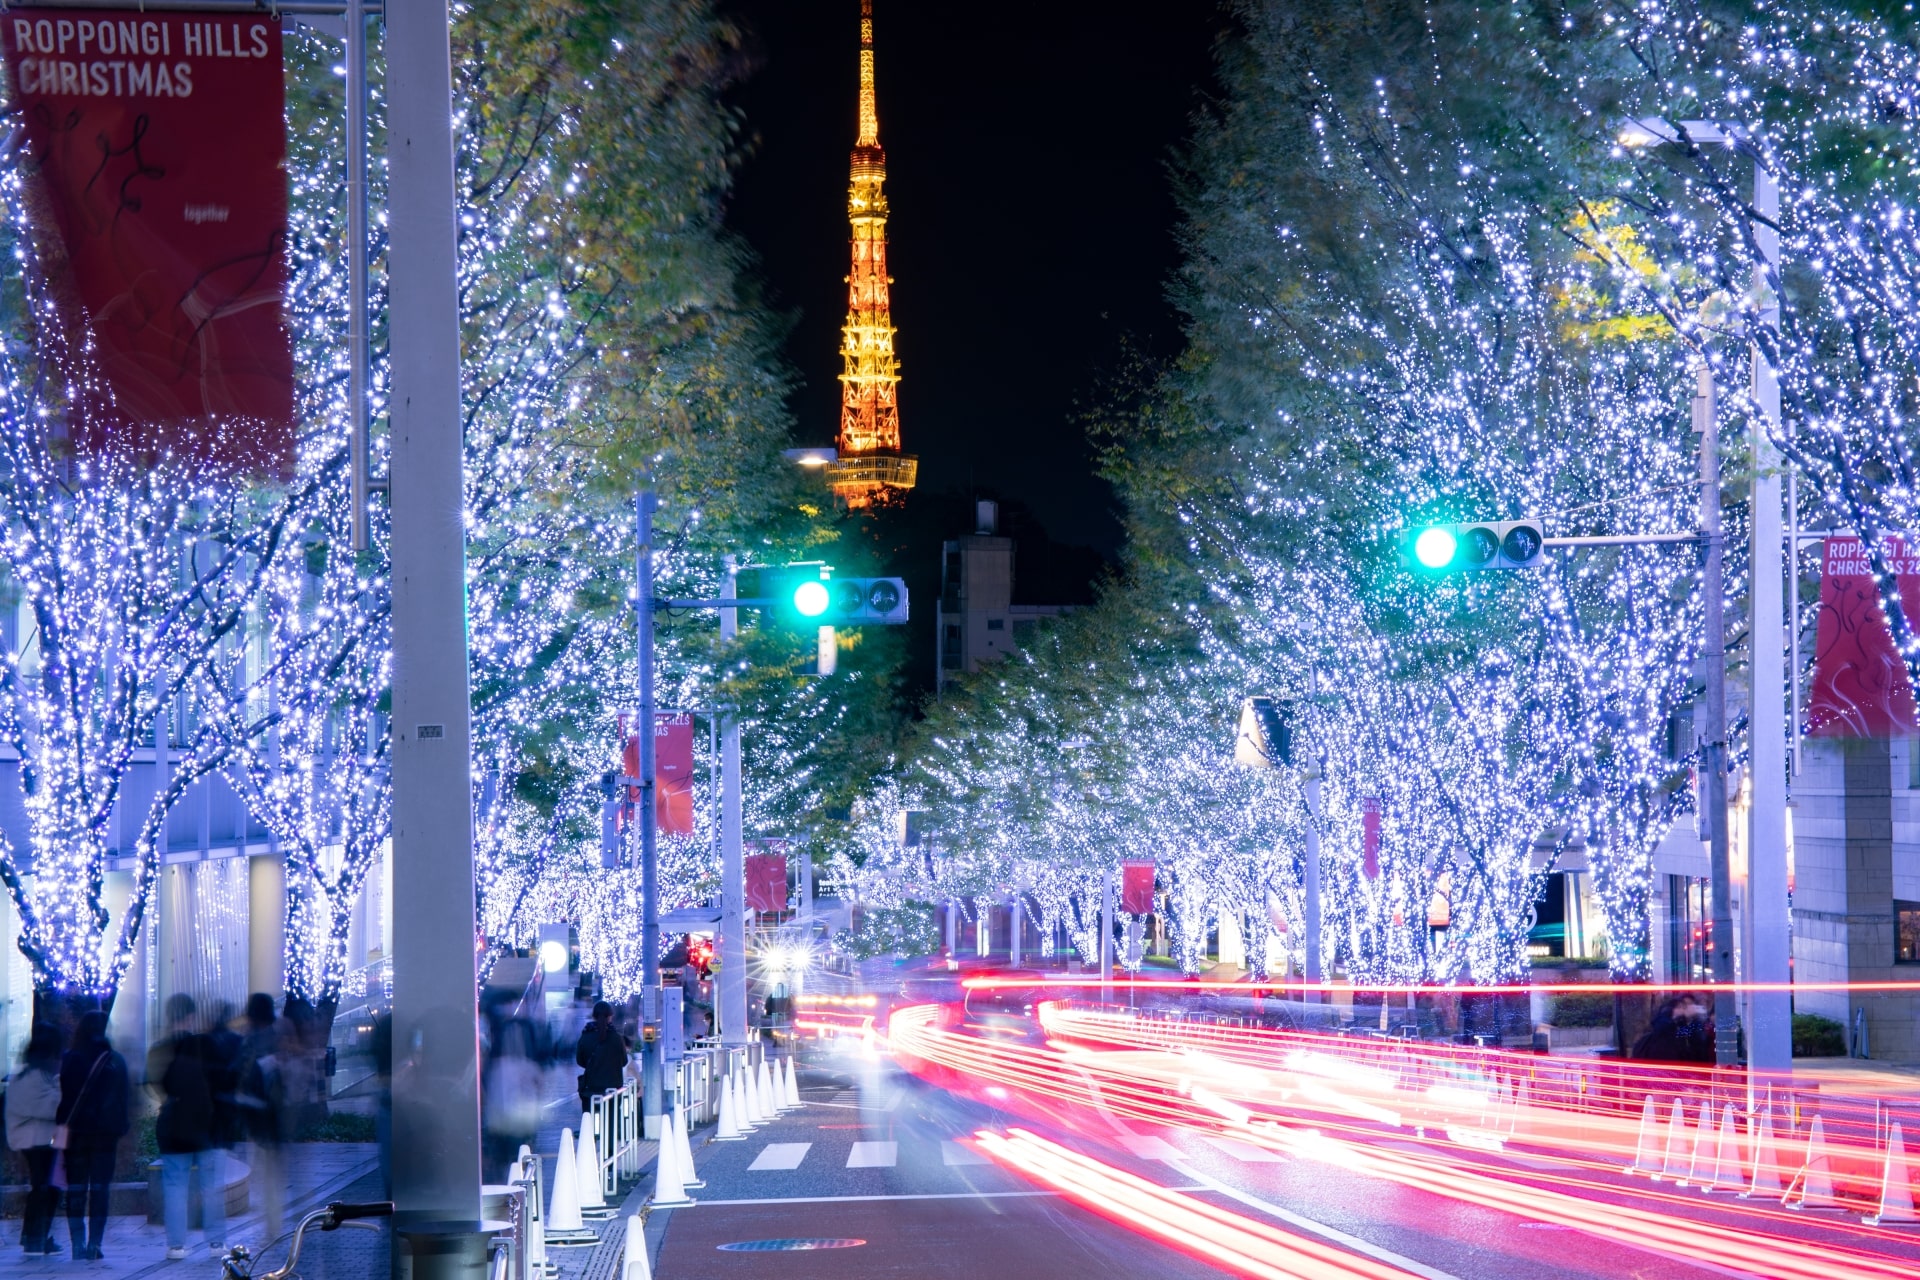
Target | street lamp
(1769,1033)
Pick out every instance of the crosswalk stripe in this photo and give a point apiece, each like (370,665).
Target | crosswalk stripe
(873,1155)
(954,1153)
(779,1155)
(1245,1152)
(1150,1148)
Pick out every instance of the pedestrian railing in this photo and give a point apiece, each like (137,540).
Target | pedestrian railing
(616,1119)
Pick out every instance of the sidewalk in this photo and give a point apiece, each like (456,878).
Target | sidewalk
(135,1247)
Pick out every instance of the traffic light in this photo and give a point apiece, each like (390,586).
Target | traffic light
(852,601)
(807,596)
(1480,544)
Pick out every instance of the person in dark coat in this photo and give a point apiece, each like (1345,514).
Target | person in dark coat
(93,1107)
(181,1070)
(261,1109)
(601,1055)
(33,1100)
(1681,1031)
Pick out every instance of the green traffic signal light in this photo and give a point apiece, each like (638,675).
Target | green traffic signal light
(1436,547)
(810,599)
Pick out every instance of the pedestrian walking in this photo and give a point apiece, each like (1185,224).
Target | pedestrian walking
(33,1102)
(91,1121)
(181,1072)
(601,1055)
(258,1105)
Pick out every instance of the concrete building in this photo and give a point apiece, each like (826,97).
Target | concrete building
(975,618)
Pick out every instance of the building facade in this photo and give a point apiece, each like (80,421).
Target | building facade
(975,618)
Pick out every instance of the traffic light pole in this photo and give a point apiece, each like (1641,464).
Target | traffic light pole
(651,1087)
(1713,752)
(732,994)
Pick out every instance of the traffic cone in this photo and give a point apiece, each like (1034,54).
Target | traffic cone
(1896,1186)
(633,1257)
(1645,1155)
(728,1129)
(1702,1146)
(1816,1176)
(593,1196)
(564,1223)
(1726,1155)
(1766,1157)
(1674,1163)
(751,1100)
(769,1101)
(793,1083)
(683,1149)
(780,1102)
(669,1187)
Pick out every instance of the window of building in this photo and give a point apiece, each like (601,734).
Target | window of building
(996,624)
(950,653)
(1906,932)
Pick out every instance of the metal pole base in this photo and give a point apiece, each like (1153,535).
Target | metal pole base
(441,1250)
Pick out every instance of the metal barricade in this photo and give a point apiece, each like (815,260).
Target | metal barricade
(616,1121)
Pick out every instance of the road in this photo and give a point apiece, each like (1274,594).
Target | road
(880,1156)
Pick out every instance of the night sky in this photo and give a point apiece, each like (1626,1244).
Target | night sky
(1030,229)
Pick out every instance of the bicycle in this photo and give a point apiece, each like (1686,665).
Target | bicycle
(238,1262)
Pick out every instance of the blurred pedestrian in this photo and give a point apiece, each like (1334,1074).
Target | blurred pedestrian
(92,1119)
(512,1093)
(1681,1031)
(180,1072)
(601,1055)
(33,1100)
(258,1108)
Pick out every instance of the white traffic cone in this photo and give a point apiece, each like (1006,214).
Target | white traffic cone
(1702,1146)
(633,1258)
(564,1224)
(769,1101)
(1674,1161)
(750,1113)
(1722,1174)
(683,1148)
(593,1196)
(669,1187)
(1816,1176)
(1646,1151)
(1766,1156)
(728,1129)
(793,1083)
(1896,1185)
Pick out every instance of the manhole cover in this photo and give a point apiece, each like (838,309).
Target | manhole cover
(787,1246)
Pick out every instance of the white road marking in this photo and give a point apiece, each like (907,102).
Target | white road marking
(1144,1148)
(953,1153)
(1334,1234)
(1244,1152)
(873,1155)
(937,1195)
(779,1155)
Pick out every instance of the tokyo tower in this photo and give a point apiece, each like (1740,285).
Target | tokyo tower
(871,469)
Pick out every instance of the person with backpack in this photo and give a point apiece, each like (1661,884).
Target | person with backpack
(180,1070)
(92,1119)
(33,1101)
(601,1055)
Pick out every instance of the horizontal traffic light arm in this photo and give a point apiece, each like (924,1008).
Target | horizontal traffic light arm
(1623,540)
(748,602)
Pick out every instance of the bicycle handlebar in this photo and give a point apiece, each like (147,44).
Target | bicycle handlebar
(340,1212)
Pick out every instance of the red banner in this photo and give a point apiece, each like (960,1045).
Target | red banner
(1860,687)
(766,882)
(1370,837)
(157,187)
(1136,888)
(673,771)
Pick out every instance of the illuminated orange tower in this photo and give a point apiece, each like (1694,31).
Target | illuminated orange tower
(871,467)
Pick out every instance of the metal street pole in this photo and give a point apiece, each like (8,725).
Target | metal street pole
(1770,1033)
(1713,756)
(1106,936)
(436,1086)
(1312,879)
(650,1084)
(733,876)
